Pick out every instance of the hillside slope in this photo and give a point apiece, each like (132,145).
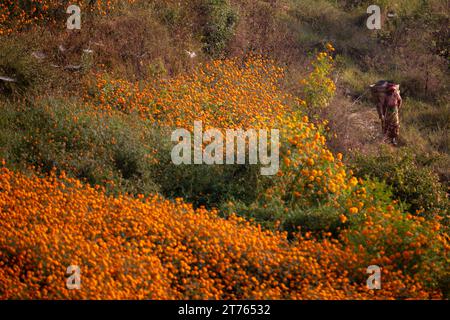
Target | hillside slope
(87,179)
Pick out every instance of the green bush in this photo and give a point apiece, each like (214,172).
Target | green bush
(118,151)
(272,213)
(412,182)
(17,63)
(218,25)
(209,186)
(201,184)
(102,149)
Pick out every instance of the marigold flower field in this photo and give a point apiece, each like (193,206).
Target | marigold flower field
(151,248)
(148,246)
(14,17)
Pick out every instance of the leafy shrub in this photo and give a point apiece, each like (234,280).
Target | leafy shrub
(219,21)
(103,149)
(318,88)
(387,236)
(17,63)
(201,184)
(417,185)
(117,151)
(209,186)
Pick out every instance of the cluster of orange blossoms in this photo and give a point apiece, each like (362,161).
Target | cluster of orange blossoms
(308,167)
(150,248)
(16,15)
(230,93)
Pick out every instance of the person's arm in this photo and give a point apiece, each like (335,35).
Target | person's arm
(400,101)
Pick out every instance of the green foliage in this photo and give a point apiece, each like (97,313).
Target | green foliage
(120,152)
(218,25)
(101,149)
(416,185)
(322,217)
(432,120)
(17,63)
(318,217)
(209,186)
(318,89)
(203,185)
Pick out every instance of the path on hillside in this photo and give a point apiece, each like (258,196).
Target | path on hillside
(357,124)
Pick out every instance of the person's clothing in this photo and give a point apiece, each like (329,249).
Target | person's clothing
(381,113)
(392,105)
(380,92)
(392,122)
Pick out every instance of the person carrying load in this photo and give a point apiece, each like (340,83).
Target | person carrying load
(386,94)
